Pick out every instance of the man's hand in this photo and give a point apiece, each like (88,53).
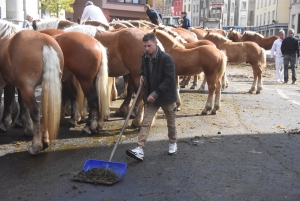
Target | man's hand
(142,79)
(150,99)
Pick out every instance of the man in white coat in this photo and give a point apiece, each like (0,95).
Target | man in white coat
(276,48)
(92,12)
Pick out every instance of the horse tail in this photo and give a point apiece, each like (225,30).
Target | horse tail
(80,95)
(224,62)
(51,92)
(263,58)
(102,85)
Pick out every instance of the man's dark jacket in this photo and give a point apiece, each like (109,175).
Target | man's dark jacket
(186,23)
(153,16)
(162,80)
(290,46)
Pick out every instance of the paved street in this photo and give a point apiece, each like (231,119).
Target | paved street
(248,151)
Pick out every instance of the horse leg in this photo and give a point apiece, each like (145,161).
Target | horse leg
(139,111)
(9,95)
(186,82)
(183,80)
(259,81)
(255,76)
(124,108)
(114,92)
(202,87)
(178,102)
(92,121)
(195,83)
(24,117)
(124,93)
(217,104)
(34,110)
(211,91)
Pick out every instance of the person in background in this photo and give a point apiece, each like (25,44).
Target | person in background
(27,24)
(152,14)
(158,74)
(92,12)
(276,48)
(186,23)
(297,60)
(290,51)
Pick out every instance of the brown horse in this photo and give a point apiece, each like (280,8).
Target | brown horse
(186,34)
(239,52)
(91,71)
(234,36)
(264,42)
(52,24)
(207,59)
(26,71)
(124,48)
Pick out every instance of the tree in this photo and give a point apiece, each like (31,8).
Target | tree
(55,6)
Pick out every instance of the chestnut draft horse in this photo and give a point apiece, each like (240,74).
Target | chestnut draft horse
(239,52)
(264,42)
(234,36)
(26,71)
(207,59)
(90,70)
(124,49)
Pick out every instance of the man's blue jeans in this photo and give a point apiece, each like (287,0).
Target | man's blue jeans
(289,59)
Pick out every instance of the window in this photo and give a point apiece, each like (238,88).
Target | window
(225,8)
(202,12)
(176,5)
(264,18)
(274,1)
(244,5)
(268,17)
(273,15)
(265,3)
(231,21)
(184,8)
(197,8)
(257,20)
(194,8)
(261,5)
(260,19)
(204,3)
(224,22)
(269,2)
(189,7)
(258,4)
(232,6)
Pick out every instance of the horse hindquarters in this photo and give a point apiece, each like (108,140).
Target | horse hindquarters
(214,84)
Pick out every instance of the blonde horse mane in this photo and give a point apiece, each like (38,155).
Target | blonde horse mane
(86,29)
(51,23)
(218,36)
(170,37)
(172,33)
(252,33)
(8,28)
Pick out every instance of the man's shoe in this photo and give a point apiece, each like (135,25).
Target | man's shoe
(136,153)
(172,148)
(294,82)
(284,83)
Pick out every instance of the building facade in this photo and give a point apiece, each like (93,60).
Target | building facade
(177,7)
(294,18)
(121,9)
(271,16)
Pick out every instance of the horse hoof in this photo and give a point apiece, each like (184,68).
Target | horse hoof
(86,130)
(2,128)
(257,92)
(34,150)
(71,123)
(119,114)
(17,124)
(192,88)
(45,145)
(182,86)
(213,112)
(203,113)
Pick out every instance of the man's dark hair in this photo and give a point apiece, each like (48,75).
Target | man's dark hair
(149,36)
(182,12)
